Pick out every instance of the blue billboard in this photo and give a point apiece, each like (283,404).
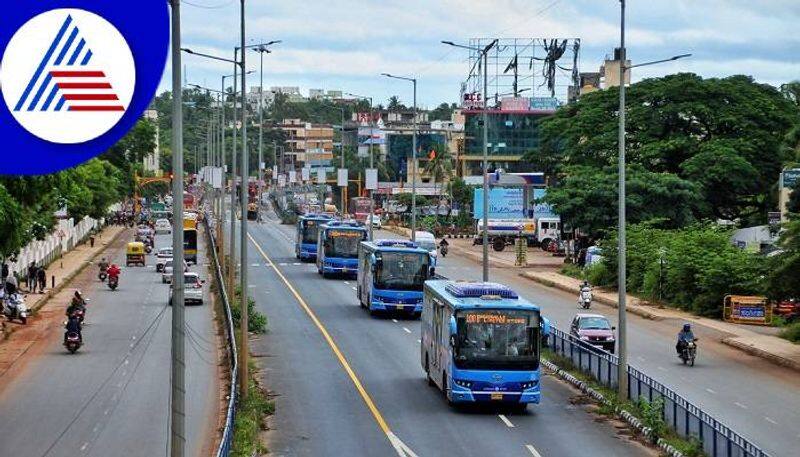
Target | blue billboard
(504,203)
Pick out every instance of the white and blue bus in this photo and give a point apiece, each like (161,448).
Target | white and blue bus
(481,343)
(391,275)
(337,247)
(305,247)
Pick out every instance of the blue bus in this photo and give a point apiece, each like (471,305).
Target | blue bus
(305,247)
(391,274)
(481,342)
(337,247)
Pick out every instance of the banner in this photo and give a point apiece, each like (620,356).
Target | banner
(341,178)
(363,151)
(504,203)
(372,179)
(281,181)
(321,176)
(274,172)
(292,176)
(540,208)
(306,174)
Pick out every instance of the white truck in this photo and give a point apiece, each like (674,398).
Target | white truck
(502,232)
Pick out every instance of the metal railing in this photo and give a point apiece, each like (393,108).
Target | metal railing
(224,448)
(683,417)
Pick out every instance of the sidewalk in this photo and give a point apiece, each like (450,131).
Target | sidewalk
(16,339)
(772,348)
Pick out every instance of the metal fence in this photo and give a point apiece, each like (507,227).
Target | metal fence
(224,448)
(686,419)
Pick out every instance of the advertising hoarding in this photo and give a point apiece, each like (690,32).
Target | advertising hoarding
(504,203)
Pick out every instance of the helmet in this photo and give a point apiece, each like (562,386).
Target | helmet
(585,283)
(687,327)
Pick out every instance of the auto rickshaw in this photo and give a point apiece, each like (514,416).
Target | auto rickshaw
(134,255)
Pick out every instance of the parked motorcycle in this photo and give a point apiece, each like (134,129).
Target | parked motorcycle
(14,307)
(689,352)
(113,282)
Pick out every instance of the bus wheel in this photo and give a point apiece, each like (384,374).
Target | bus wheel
(428,372)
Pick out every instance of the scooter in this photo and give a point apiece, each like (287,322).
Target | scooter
(14,307)
(689,352)
(102,276)
(72,341)
(443,250)
(113,282)
(585,299)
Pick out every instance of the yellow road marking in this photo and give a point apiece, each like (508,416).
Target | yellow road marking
(335,348)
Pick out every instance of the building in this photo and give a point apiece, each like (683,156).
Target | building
(292,92)
(307,143)
(255,96)
(152,162)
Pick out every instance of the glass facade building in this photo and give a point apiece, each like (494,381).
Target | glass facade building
(512,134)
(399,147)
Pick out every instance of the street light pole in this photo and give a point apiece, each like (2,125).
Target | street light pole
(244,193)
(178,365)
(622,374)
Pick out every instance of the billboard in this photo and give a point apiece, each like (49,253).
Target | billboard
(504,203)
(540,208)
(544,103)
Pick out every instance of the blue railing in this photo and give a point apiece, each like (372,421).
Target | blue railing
(683,417)
(224,448)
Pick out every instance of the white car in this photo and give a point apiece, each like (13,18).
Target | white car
(427,241)
(376,221)
(163,226)
(162,256)
(166,271)
(192,289)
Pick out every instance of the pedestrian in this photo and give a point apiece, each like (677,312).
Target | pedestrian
(31,279)
(41,275)
(4,273)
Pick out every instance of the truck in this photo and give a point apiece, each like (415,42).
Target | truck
(502,232)
(359,208)
(252,200)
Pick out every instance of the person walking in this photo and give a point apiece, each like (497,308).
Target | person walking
(31,280)
(41,276)
(4,274)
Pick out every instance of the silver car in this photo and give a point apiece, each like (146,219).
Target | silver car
(192,289)
(166,271)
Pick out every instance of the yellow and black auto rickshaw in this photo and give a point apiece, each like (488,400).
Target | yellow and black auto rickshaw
(134,254)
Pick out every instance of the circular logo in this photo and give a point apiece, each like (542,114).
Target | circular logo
(75,77)
(68,76)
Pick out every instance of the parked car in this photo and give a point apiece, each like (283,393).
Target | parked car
(376,221)
(163,226)
(166,271)
(163,255)
(192,289)
(595,330)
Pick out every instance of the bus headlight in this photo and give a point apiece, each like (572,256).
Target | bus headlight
(529,385)
(466,384)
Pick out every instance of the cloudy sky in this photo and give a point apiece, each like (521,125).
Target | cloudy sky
(346,44)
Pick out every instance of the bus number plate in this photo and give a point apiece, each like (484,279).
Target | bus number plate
(497,396)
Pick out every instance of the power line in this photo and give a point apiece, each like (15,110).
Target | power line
(208,7)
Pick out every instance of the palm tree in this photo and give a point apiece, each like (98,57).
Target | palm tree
(394,103)
(439,164)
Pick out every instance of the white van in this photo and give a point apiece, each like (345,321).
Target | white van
(427,241)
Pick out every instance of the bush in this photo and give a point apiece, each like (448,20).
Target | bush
(256,321)
(791,333)
(599,274)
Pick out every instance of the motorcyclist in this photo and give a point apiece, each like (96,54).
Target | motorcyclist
(77,303)
(114,272)
(443,245)
(585,287)
(684,337)
(73,326)
(103,265)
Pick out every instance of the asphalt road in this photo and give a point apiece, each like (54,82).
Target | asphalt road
(754,397)
(321,411)
(112,397)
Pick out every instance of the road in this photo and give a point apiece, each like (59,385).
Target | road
(112,397)
(754,397)
(381,404)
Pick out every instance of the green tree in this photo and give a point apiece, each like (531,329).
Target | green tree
(783,279)
(441,165)
(395,104)
(13,224)
(711,132)
(443,112)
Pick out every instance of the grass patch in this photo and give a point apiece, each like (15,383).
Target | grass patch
(256,321)
(650,414)
(791,332)
(250,415)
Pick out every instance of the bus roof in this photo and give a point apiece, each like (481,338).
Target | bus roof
(316,217)
(344,225)
(470,295)
(393,246)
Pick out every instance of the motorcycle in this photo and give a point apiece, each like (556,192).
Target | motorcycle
(102,276)
(113,282)
(443,250)
(14,308)
(72,341)
(585,299)
(689,352)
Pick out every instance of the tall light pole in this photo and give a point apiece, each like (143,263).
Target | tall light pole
(414,158)
(244,193)
(371,161)
(178,365)
(261,49)
(622,341)
(484,54)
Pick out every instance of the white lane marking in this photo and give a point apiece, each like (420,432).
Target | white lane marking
(255,264)
(83,448)
(297,263)
(710,391)
(407,330)
(532,450)
(354,288)
(740,405)
(505,421)
(419,341)
(771,421)
(283,264)
(105,413)
(399,446)
(662,368)
(394,320)
(347,282)
(640,358)
(250,286)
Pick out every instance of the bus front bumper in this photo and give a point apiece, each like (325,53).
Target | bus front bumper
(462,395)
(402,307)
(473,386)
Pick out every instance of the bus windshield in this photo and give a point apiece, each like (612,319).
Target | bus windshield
(402,271)
(310,229)
(343,243)
(497,339)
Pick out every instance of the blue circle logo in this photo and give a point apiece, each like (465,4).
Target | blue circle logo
(75,77)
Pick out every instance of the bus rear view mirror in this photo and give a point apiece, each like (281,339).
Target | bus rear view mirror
(432,272)
(453,341)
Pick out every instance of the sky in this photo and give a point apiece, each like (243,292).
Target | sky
(346,44)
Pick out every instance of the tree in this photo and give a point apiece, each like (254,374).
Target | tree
(443,112)
(723,135)
(783,280)
(440,163)
(394,104)
(12,225)
(587,198)
(460,193)
(793,205)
